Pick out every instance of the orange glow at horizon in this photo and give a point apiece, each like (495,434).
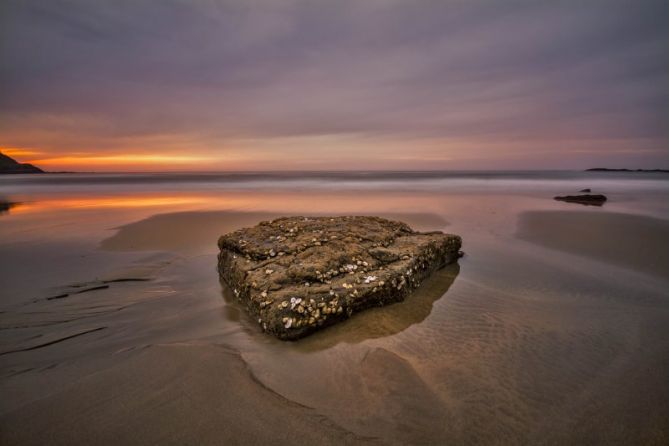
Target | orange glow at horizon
(120,160)
(15,151)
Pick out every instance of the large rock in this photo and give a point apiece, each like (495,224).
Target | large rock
(297,275)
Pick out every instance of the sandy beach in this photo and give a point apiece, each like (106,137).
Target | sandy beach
(551,329)
(627,240)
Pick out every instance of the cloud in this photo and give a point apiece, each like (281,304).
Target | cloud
(217,75)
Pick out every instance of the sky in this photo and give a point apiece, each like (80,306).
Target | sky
(143,85)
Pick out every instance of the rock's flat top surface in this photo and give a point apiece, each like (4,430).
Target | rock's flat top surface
(300,274)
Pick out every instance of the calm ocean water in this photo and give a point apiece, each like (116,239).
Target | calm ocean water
(461,181)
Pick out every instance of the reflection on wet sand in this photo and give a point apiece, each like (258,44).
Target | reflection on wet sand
(369,324)
(118,202)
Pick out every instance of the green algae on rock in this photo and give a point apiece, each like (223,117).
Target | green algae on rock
(297,275)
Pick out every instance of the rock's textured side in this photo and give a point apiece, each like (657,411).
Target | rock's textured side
(588,200)
(297,275)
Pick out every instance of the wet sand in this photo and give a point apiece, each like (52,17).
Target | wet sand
(633,241)
(171,394)
(520,343)
(199,231)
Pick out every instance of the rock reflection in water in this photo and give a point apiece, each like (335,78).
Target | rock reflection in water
(370,324)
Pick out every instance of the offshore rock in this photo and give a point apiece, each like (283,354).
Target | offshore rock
(588,200)
(297,275)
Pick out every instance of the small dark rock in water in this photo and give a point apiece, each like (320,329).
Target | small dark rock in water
(604,169)
(297,275)
(585,190)
(5,206)
(588,200)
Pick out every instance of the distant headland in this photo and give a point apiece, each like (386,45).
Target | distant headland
(10,165)
(604,169)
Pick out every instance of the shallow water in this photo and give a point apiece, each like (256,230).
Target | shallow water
(524,341)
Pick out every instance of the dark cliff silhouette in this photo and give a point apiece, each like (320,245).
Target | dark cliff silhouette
(9,165)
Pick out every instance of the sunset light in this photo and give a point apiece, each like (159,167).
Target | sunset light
(19,153)
(344,222)
(122,162)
